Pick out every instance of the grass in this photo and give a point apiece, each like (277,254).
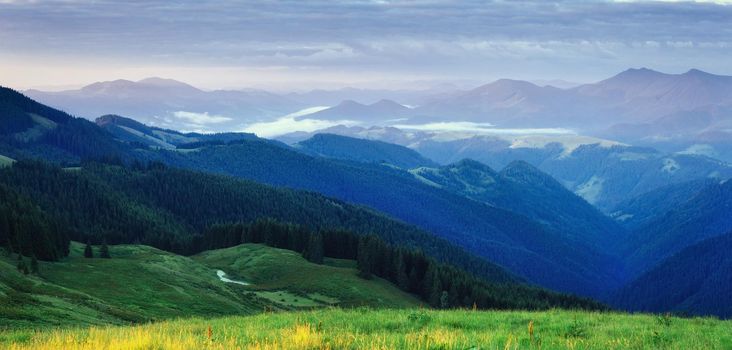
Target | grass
(144,298)
(395,329)
(141,284)
(288,280)
(5,161)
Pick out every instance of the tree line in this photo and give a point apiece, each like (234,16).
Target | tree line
(168,208)
(440,285)
(186,212)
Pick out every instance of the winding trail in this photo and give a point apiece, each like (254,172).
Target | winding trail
(222,277)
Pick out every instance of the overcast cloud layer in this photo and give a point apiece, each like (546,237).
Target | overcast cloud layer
(308,44)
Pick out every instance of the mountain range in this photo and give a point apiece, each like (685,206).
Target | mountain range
(673,112)
(168,103)
(694,281)
(513,240)
(603,172)
(582,216)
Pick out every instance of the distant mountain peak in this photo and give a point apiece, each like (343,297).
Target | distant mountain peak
(472,164)
(114,119)
(521,166)
(118,85)
(638,72)
(695,71)
(510,84)
(349,103)
(523,172)
(108,85)
(386,102)
(641,70)
(164,82)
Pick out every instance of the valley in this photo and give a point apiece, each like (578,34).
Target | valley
(143,284)
(365,174)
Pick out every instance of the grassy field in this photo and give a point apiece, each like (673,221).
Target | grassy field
(5,161)
(288,280)
(141,284)
(144,298)
(395,329)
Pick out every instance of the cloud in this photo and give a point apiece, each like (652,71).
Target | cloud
(482,128)
(430,39)
(200,119)
(293,122)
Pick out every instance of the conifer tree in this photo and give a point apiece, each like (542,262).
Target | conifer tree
(314,250)
(363,260)
(34,265)
(104,251)
(444,300)
(88,252)
(21,263)
(402,278)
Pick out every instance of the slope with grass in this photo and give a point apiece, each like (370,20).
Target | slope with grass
(396,329)
(168,208)
(6,161)
(288,280)
(521,245)
(141,283)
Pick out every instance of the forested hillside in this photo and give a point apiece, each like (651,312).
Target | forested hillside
(169,208)
(30,129)
(524,189)
(514,241)
(360,150)
(695,281)
(705,214)
(179,210)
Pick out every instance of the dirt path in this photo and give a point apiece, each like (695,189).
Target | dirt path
(222,277)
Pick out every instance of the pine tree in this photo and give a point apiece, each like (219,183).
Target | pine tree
(402,278)
(444,300)
(88,252)
(364,259)
(104,251)
(314,250)
(34,265)
(436,290)
(21,263)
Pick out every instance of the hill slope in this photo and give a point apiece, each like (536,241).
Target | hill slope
(639,211)
(705,215)
(170,104)
(30,129)
(603,172)
(360,150)
(695,281)
(168,209)
(286,279)
(131,131)
(524,189)
(141,283)
(514,241)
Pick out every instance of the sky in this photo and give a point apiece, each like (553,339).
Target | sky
(302,45)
